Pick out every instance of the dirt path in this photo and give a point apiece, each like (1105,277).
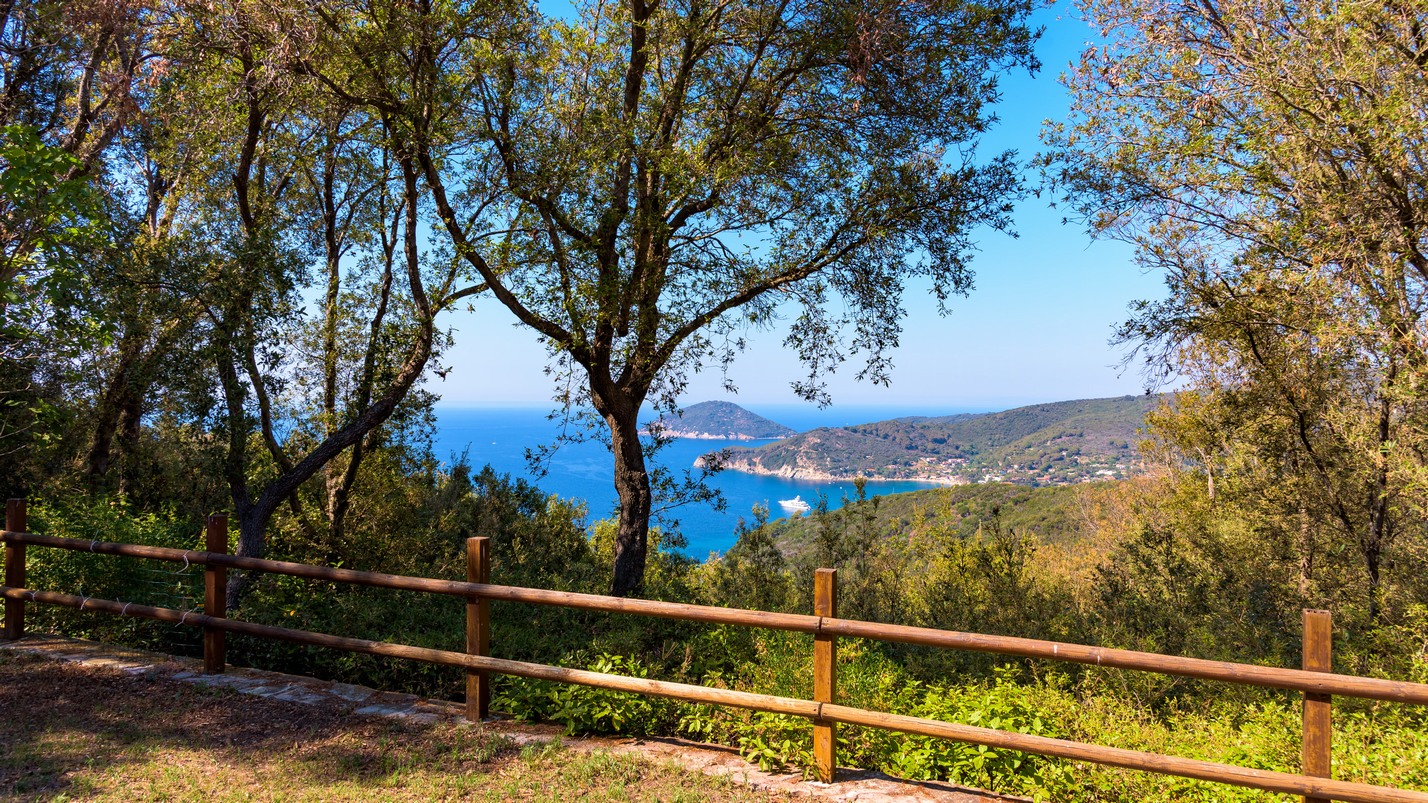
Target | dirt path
(85,721)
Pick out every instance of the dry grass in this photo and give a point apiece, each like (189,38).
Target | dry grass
(80,733)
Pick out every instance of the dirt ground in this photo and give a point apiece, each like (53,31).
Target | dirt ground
(70,732)
(82,721)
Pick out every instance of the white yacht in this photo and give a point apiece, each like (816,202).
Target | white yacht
(795,505)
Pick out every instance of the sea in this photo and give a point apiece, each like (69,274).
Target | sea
(500,436)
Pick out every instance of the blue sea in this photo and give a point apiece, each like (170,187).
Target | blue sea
(500,436)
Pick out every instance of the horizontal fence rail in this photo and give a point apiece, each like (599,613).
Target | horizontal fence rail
(1061,748)
(567,599)
(1317,686)
(1226,671)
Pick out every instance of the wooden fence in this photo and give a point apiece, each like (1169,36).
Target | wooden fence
(1315,682)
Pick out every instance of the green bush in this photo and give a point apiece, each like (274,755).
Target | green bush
(109,577)
(584,709)
(1001,705)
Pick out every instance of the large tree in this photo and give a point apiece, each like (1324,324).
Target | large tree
(1269,158)
(68,86)
(642,183)
(249,191)
(69,79)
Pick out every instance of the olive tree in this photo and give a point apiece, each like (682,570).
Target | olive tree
(641,184)
(1269,158)
(291,200)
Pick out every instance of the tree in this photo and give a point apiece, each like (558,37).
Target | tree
(1268,158)
(224,191)
(278,192)
(68,84)
(753,573)
(67,88)
(643,184)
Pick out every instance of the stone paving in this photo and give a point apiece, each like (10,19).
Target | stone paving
(714,760)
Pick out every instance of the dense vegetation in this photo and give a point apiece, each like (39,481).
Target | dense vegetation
(1044,444)
(1049,514)
(230,234)
(1145,564)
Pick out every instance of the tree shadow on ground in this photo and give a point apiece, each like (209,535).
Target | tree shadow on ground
(62,720)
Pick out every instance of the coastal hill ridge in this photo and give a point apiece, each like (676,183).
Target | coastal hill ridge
(1042,444)
(721,420)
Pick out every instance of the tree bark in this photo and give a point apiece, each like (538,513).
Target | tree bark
(112,403)
(632,483)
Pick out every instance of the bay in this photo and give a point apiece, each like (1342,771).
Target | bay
(499,436)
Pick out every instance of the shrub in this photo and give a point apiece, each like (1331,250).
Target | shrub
(115,578)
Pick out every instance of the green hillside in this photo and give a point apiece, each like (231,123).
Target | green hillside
(1043,444)
(722,420)
(1049,513)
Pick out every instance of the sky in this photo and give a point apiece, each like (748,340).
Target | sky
(1035,328)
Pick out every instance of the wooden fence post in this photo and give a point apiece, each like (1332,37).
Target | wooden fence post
(215,595)
(478,628)
(1318,728)
(825,674)
(15,569)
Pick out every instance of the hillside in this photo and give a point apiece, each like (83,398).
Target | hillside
(721,420)
(1043,444)
(1051,514)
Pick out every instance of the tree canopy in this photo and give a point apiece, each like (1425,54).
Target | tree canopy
(1269,159)
(642,183)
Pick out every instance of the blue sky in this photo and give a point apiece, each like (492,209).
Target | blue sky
(1034,329)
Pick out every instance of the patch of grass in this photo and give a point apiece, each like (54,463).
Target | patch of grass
(72,733)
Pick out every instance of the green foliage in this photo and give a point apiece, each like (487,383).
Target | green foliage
(536,540)
(749,126)
(52,234)
(1194,591)
(1262,157)
(50,208)
(1050,514)
(1379,745)
(421,620)
(1002,705)
(584,709)
(115,578)
(775,740)
(948,558)
(752,573)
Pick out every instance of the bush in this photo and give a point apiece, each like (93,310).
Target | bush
(584,709)
(109,577)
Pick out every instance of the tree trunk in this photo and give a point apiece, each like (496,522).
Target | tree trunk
(112,403)
(339,498)
(252,542)
(106,422)
(131,420)
(1380,524)
(632,482)
(1372,548)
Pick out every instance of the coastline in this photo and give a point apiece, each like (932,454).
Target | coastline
(710,436)
(788,473)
